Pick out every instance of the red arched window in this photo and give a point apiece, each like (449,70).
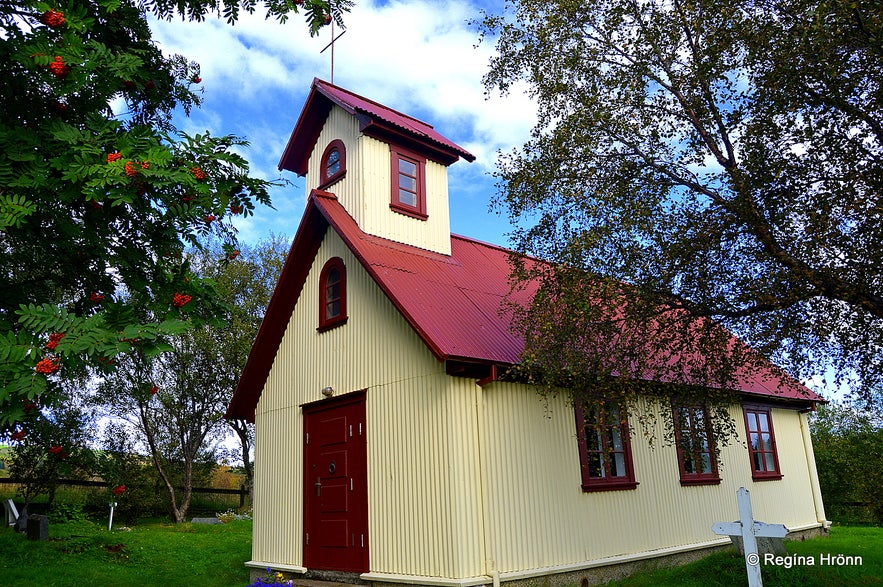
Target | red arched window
(332,295)
(333,164)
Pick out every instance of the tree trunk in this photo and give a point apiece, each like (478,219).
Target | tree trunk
(242,431)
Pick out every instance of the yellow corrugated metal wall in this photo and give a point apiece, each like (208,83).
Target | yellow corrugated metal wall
(365,190)
(421,431)
(537,515)
(427,478)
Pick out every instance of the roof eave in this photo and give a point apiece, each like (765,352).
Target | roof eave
(383,131)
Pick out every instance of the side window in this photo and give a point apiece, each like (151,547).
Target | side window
(604,446)
(761,443)
(695,443)
(408,194)
(333,164)
(332,295)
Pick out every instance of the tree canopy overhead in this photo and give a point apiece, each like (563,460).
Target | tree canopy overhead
(721,158)
(100,193)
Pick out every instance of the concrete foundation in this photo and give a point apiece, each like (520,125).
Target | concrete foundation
(580,578)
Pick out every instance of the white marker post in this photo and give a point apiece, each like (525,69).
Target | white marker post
(110,517)
(749,530)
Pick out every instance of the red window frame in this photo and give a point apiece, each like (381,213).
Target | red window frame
(328,178)
(405,181)
(604,446)
(694,439)
(763,456)
(329,296)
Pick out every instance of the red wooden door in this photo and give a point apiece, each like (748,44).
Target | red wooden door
(335,485)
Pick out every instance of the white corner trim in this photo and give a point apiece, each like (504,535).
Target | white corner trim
(276,567)
(423,580)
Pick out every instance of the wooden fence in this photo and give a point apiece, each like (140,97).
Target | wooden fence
(242,492)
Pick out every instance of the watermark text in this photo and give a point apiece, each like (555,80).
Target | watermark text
(812,560)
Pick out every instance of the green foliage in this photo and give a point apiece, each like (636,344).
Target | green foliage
(66,511)
(722,159)
(848,444)
(175,402)
(97,206)
(49,444)
(121,464)
(245,283)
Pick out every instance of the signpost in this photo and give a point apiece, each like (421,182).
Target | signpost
(749,530)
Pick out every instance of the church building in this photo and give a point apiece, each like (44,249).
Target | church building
(390,451)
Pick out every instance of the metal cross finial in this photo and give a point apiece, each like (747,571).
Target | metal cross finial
(331,44)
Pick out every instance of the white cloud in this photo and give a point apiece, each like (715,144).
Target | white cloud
(419,57)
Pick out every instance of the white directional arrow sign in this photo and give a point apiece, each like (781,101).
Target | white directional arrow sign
(750,531)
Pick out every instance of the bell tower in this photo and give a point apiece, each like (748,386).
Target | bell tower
(387,169)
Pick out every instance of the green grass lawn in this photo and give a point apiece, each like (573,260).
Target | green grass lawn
(83,553)
(727,569)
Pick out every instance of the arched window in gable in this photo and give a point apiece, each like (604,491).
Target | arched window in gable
(332,295)
(333,164)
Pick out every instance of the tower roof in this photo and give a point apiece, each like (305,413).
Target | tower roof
(375,120)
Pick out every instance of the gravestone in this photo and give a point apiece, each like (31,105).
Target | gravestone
(21,524)
(765,545)
(38,527)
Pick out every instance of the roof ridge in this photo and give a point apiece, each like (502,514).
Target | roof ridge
(374,102)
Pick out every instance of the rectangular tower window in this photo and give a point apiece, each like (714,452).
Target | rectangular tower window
(408,184)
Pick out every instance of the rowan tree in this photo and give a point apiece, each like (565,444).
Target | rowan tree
(694,164)
(100,193)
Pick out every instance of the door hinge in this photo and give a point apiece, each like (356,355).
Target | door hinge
(351,430)
(308,438)
(360,428)
(363,541)
(308,538)
(351,483)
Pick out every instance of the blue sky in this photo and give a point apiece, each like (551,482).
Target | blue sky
(419,57)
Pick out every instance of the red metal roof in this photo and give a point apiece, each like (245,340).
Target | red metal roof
(374,119)
(455,303)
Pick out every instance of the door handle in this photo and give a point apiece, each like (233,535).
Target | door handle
(318,485)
